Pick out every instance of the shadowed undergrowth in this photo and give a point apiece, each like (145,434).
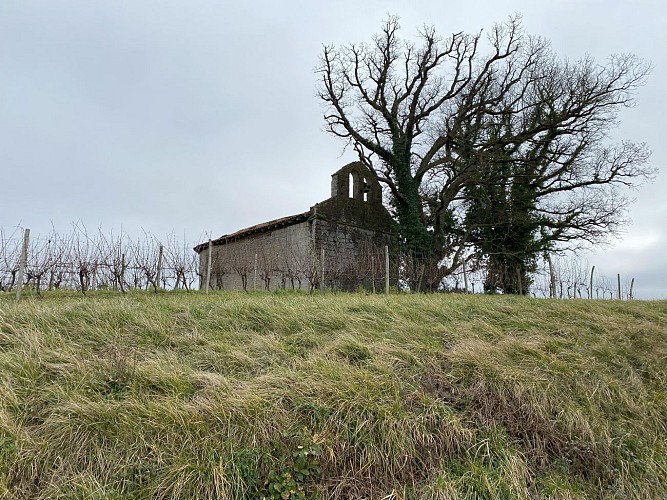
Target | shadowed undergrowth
(227,395)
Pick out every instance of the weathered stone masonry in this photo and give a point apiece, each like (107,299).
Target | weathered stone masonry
(286,253)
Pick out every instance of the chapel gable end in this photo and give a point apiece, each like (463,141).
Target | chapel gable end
(356,198)
(355,181)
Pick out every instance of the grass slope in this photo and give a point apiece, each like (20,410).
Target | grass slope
(227,395)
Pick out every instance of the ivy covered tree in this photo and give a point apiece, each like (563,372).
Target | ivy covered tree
(503,225)
(491,146)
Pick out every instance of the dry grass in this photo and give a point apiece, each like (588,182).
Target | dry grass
(182,395)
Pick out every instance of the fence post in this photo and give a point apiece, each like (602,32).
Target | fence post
(618,278)
(254,274)
(465,277)
(373,272)
(322,271)
(22,263)
(159,268)
(386,269)
(552,279)
(208,266)
(590,285)
(632,285)
(123,266)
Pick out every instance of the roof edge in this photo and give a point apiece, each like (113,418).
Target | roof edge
(256,229)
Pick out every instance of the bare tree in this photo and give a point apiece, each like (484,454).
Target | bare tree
(145,258)
(9,259)
(266,266)
(434,120)
(295,266)
(44,256)
(84,255)
(181,261)
(240,263)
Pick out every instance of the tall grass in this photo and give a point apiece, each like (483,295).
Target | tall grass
(181,395)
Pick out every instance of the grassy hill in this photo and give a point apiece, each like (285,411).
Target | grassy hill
(225,395)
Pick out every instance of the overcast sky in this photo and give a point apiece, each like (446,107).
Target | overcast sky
(200,117)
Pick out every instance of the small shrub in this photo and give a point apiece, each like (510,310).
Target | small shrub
(304,465)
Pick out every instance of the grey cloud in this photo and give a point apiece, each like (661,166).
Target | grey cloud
(201,116)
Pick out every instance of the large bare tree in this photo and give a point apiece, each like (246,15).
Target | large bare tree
(437,119)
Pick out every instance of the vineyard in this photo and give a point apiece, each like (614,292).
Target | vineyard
(85,260)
